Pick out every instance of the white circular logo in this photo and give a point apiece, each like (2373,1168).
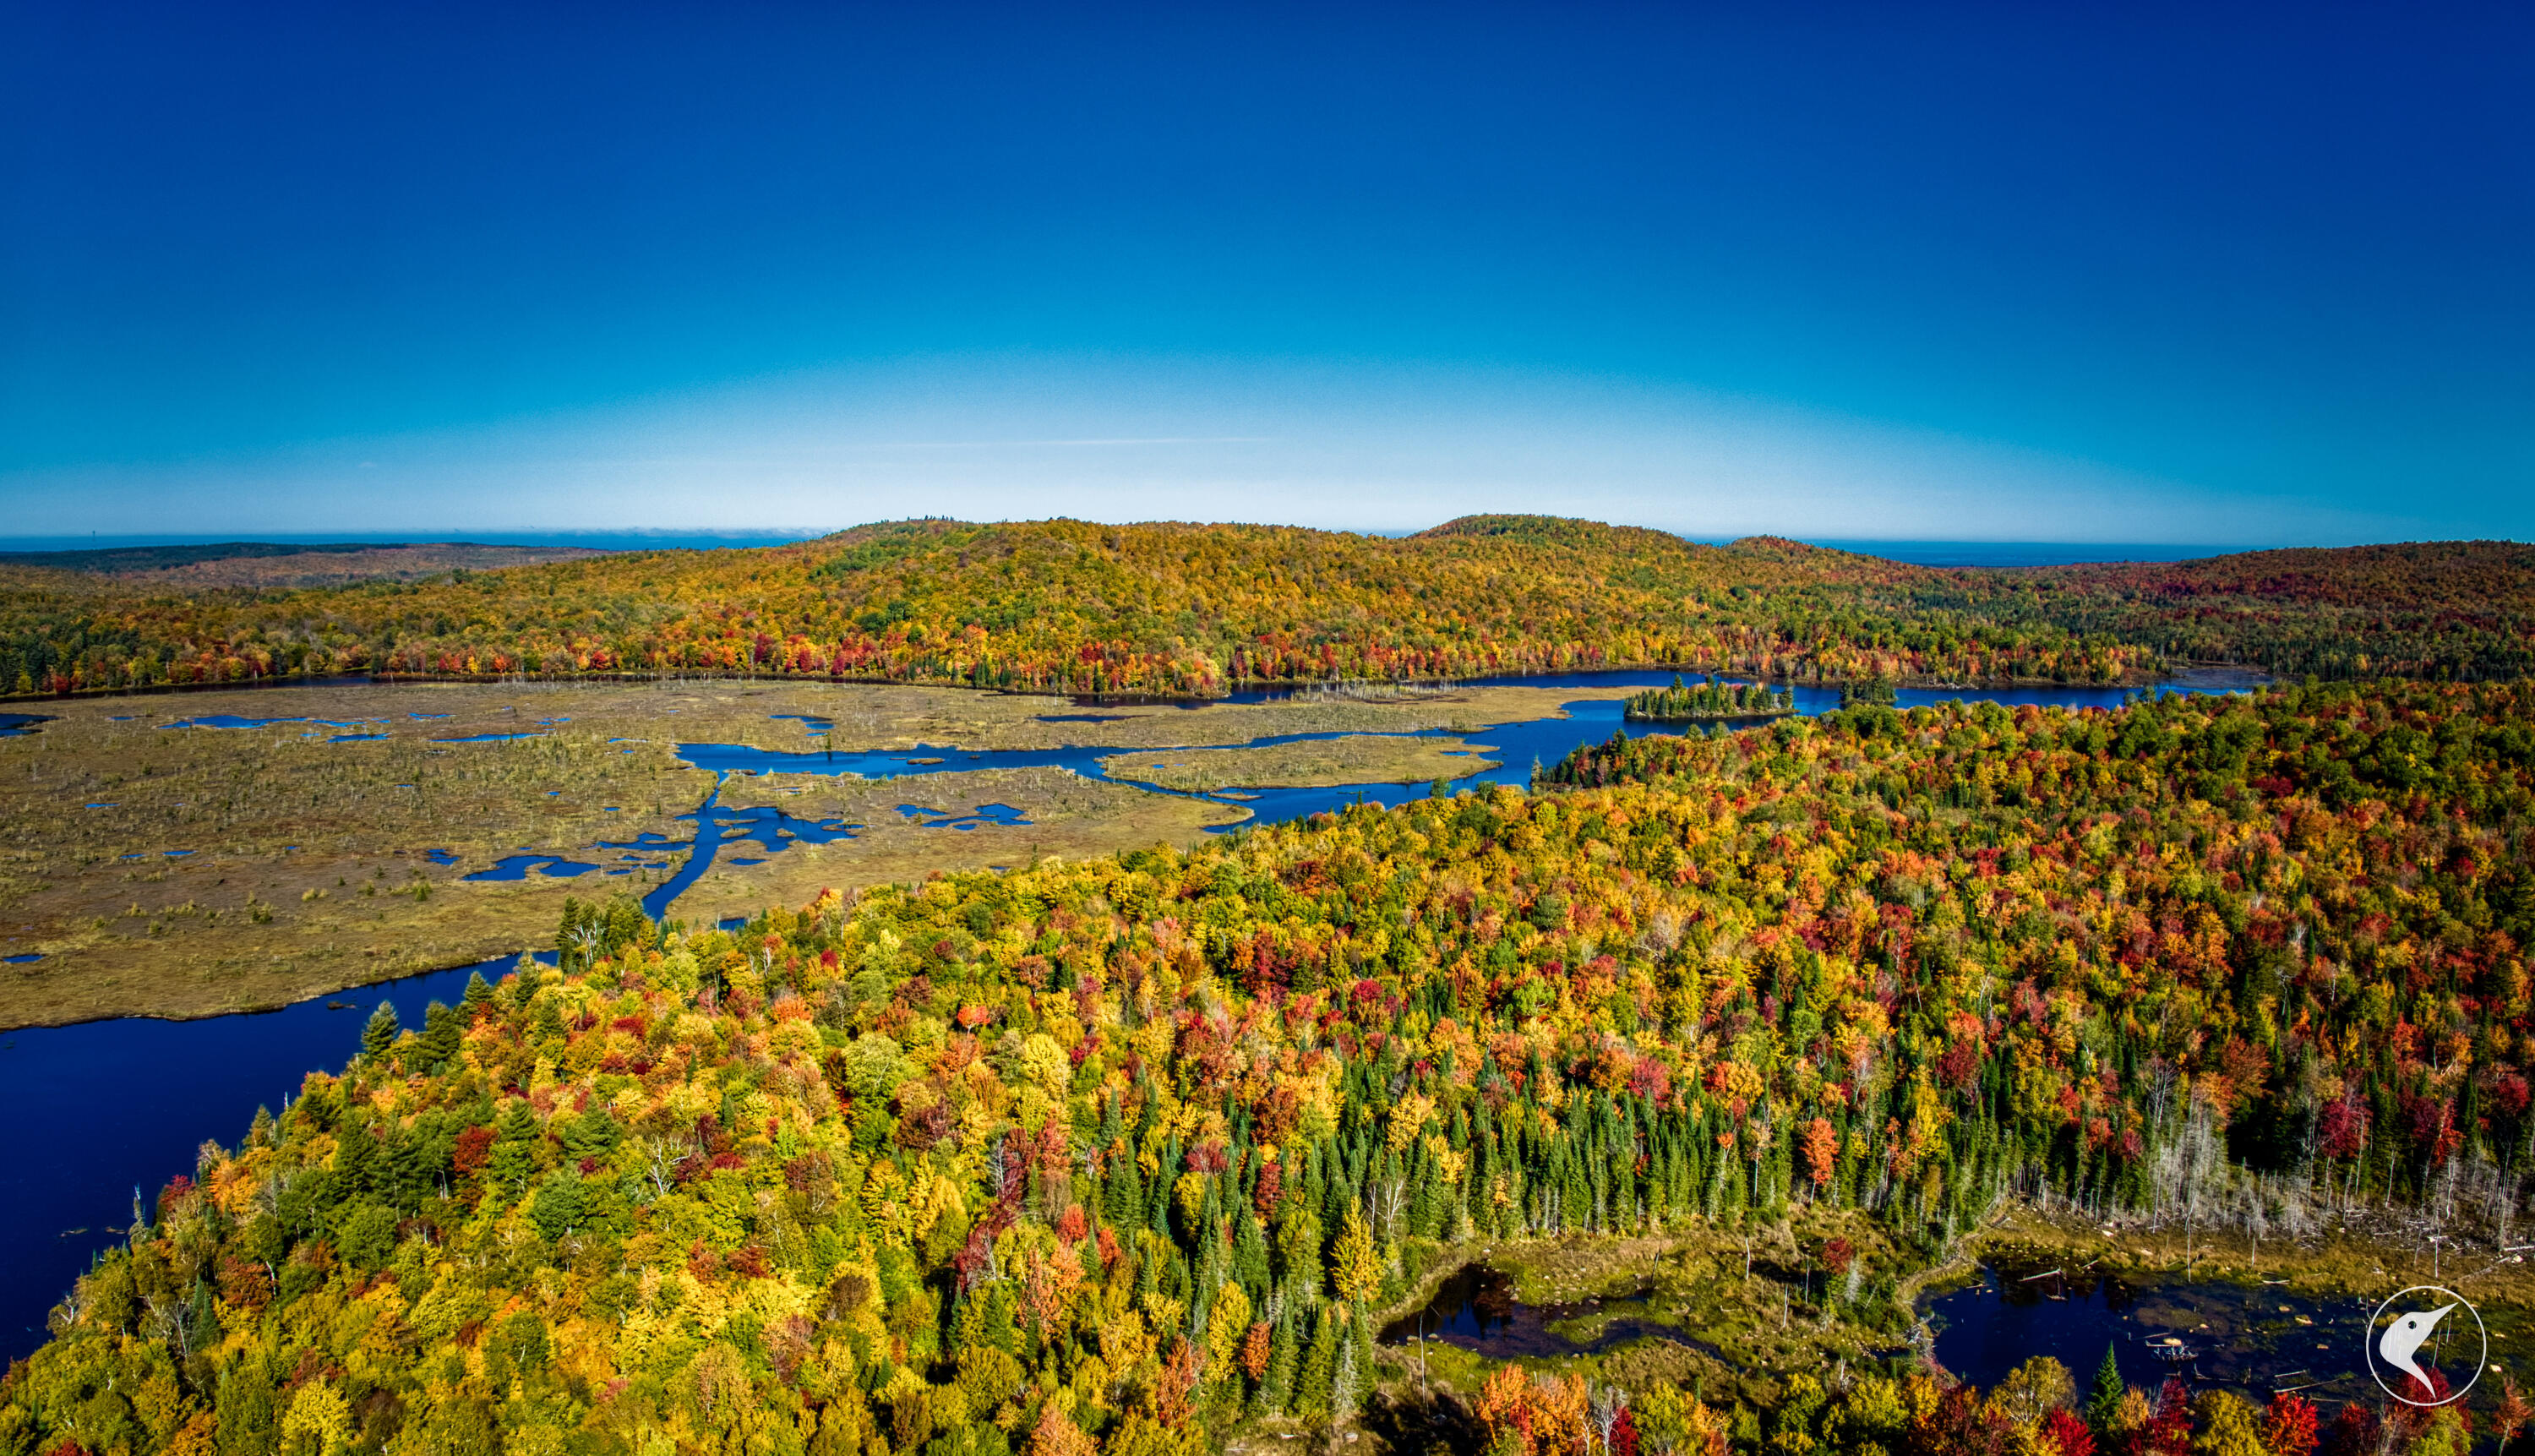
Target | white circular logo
(2407,1330)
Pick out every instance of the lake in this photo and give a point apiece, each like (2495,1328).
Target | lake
(106,1107)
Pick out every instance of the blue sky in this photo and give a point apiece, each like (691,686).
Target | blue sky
(2194,273)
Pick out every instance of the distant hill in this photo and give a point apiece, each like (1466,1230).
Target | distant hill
(1187,608)
(291,564)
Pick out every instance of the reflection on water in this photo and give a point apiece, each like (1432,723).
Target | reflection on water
(2252,1338)
(1476,1309)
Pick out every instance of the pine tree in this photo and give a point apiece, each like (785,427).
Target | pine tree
(514,1147)
(1320,1365)
(378,1039)
(478,992)
(2106,1398)
(442,1032)
(1277,1387)
(1346,1386)
(1250,1258)
(1126,1199)
(356,1154)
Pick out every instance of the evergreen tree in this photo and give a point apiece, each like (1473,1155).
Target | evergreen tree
(442,1031)
(514,1147)
(1320,1365)
(2106,1397)
(356,1154)
(1124,1207)
(1346,1383)
(379,1037)
(1250,1258)
(1277,1387)
(478,993)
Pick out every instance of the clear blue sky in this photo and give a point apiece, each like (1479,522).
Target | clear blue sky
(2132,272)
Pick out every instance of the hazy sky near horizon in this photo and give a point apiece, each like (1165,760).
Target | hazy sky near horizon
(2213,273)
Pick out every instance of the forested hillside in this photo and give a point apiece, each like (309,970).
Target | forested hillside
(1193,609)
(1123,1154)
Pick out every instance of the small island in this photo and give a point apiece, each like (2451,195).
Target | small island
(1710,699)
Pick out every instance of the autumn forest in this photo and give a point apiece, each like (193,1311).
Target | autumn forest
(1140,1154)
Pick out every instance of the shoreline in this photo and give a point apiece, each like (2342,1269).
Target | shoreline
(1088,698)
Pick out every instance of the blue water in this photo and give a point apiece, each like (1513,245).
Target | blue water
(1517,747)
(107,1105)
(488,738)
(2004,553)
(982,815)
(700,857)
(24,960)
(13,724)
(517,867)
(230,721)
(2243,1336)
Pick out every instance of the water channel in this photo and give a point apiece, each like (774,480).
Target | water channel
(109,1107)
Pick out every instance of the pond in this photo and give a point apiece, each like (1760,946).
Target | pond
(111,1105)
(2252,1337)
(1476,1309)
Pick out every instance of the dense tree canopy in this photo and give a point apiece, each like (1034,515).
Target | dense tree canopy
(1194,609)
(1119,1154)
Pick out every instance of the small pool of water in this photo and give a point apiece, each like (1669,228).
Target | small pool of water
(2252,1338)
(16,724)
(517,867)
(1476,1309)
(229,721)
(927,817)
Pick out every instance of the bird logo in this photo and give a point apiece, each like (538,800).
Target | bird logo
(2397,1344)
(2402,1340)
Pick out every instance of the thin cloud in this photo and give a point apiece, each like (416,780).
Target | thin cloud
(1138,440)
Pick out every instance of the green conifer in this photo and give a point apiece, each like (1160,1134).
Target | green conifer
(1276,1386)
(379,1037)
(1320,1365)
(514,1147)
(2106,1397)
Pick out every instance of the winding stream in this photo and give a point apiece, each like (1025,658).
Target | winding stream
(106,1111)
